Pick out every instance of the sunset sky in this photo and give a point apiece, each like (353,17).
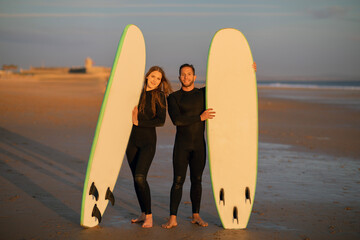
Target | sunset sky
(289,39)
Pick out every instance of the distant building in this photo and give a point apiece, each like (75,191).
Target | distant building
(87,69)
(10,68)
(46,70)
(88,63)
(77,70)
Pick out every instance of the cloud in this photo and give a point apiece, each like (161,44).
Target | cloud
(47,15)
(148,14)
(115,9)
(112,5)
(328,12)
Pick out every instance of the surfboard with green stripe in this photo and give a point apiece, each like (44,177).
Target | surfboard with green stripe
(232,136)
(114,126)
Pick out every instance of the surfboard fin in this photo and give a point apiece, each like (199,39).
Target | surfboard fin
(235,215)
(96,213)
(247,195)
(110,196)
(222,196)
(93,191)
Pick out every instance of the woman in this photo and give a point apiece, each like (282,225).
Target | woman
(150,113)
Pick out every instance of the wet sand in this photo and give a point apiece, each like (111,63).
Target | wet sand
(308,175)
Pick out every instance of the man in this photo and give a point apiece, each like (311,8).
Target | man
(187,111)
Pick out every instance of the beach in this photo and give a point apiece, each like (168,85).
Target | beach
(308,168)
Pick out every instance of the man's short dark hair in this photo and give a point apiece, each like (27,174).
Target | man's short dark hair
(186,65)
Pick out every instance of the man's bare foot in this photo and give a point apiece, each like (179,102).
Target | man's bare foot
(148,222)
(196,219)
(171,223)
(140,219)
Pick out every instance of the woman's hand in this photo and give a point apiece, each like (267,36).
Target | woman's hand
(135,116)
(207,114)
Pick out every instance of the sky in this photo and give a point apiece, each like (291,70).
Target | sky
(289,39)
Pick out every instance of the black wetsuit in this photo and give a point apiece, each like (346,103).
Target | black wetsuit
(141,148)
(185,109)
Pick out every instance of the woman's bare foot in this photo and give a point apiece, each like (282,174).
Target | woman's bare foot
(140,219)
(171,223)
(148,222)
(196,219)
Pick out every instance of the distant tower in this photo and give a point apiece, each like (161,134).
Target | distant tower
(88,63)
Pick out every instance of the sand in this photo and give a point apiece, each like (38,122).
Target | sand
(308,176)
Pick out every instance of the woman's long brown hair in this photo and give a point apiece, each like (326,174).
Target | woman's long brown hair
(163,87)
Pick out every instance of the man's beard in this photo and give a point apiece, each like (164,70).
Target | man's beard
(188,84)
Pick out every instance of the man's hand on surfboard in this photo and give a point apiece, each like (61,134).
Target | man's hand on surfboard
(207,114)
(254,66)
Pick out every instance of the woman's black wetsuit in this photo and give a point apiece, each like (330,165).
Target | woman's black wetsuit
(185,109)
(141,148)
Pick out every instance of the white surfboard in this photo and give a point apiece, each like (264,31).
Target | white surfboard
(114,126)
(232,136)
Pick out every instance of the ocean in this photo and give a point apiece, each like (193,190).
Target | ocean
(345,85)
(320,84)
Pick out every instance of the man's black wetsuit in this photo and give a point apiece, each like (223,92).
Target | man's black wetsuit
(141,148)
(185,109)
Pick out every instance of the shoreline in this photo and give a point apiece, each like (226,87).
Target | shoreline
(322,127)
